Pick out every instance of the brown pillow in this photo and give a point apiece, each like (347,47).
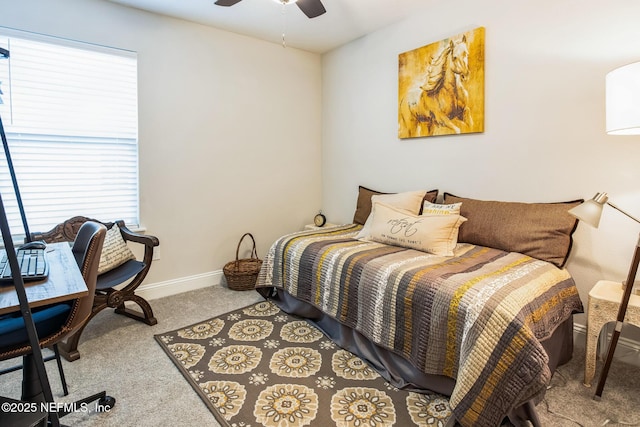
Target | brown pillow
(363,205)
(540,230)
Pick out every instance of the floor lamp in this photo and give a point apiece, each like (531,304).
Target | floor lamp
(623,118)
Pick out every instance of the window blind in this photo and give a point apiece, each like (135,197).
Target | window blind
(70,116)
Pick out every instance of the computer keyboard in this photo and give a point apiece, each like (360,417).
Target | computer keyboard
(33,265)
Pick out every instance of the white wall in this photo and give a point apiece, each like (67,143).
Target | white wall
(229,129)
(544,136)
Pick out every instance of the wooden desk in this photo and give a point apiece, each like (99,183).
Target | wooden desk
(65,282)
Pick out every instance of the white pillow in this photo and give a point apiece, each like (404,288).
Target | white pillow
(409,200)
(435,234)
(115,251)
(429,208)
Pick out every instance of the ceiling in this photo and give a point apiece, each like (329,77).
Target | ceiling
(344,21)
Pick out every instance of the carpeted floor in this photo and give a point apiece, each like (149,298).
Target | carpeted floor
(121,356)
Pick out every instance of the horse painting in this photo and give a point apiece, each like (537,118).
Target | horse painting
(437,102)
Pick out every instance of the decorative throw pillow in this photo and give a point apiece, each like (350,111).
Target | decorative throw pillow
(115,251)
(409,201)
(435,234)
(429,208)
(363,204)
(540,230)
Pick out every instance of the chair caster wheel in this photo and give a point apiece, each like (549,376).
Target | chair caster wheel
(106,403)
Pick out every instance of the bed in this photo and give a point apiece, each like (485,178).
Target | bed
(477,306)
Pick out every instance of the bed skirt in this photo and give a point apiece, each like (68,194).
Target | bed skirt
(397,370)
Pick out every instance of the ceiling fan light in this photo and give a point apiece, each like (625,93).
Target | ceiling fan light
(285,1)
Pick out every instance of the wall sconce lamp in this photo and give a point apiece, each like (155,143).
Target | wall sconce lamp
(623,118)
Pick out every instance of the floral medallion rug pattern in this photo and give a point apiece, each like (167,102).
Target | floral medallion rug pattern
(259,366)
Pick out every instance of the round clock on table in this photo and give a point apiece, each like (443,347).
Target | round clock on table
(319,220)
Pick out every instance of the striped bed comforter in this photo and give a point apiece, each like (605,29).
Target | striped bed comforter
(477,317)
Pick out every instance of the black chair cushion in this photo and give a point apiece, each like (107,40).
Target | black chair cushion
(48,319)
(119,274)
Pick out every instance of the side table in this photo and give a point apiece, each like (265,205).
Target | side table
(604,301)
(315,227)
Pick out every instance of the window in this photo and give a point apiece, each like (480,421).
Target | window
(70,115)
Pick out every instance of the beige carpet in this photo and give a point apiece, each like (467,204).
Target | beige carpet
(120,355)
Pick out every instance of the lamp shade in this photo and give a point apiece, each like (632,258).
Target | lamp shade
(623,100)
(591,210)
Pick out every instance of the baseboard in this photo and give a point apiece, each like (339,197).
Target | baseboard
(627,350)
(183,284)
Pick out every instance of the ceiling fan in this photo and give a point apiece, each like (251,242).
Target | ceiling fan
(311,8)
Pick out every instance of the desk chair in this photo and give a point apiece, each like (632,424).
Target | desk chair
(54,322)
(133,271)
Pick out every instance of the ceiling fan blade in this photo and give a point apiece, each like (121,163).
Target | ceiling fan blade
(311,8)
(226,2)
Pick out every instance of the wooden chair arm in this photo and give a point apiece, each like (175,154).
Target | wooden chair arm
(144,239)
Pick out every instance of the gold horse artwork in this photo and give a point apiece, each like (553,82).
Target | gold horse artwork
(441,87)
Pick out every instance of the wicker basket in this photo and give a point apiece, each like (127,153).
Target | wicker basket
(241,274)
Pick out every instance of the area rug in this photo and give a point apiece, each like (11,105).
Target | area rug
(259,366)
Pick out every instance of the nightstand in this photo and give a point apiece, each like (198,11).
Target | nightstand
(604,302)
(315,227)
